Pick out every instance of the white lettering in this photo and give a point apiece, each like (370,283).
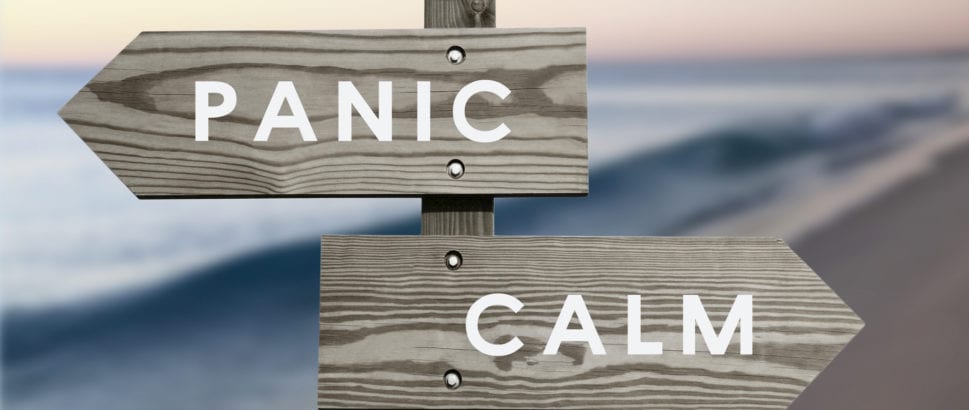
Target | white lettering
(474,334)
(380,124)
(634,343)
(204,112)
(285,93)
(574,306)
(460,116)
(694,316)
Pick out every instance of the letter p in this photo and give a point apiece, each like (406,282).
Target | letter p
(204,112)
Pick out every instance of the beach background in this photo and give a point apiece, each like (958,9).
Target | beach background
(839,126)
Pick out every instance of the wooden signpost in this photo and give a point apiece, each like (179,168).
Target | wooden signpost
(458,318)
(344,113)
(394,319)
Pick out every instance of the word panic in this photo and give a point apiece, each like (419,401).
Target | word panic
(380,123)
(694,316)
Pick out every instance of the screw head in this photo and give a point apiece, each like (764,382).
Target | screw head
(453,260)
(452,379)
(455,169)
(478,6)
(455,55)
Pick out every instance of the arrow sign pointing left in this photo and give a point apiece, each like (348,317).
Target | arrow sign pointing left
(342,113)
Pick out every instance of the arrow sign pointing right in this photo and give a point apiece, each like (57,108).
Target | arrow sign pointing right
(400,323)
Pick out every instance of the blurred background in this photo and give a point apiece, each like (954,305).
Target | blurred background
(841,126)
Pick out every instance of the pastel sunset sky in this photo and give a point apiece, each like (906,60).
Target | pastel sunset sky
(84,33)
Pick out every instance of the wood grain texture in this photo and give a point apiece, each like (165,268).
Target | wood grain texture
(459,13)
(458,215)
(138,114)
(392,322)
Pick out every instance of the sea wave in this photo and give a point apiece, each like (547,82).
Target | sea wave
(677,187)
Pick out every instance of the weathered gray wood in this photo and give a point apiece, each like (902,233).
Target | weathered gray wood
(138,113)
(457,216)
(459,13)
(392,322)
(466,215)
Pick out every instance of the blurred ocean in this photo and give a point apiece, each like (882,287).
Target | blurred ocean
(114,303)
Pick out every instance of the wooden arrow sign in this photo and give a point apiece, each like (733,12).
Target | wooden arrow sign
(342,113)
(592,322)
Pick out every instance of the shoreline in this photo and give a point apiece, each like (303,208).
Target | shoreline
(816,207)
(900,261)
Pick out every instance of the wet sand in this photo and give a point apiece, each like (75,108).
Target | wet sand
(902,263)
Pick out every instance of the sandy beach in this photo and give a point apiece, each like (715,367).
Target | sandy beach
(901,262)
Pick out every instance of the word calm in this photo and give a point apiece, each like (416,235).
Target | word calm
(348,99)
(694,316)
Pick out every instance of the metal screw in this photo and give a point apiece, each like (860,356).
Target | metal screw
(452,379)
(455,55)
(478,6)
(453,260)
(455,169)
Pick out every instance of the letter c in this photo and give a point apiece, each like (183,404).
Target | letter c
(471,324)
(460,117)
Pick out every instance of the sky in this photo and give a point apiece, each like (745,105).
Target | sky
(58,32)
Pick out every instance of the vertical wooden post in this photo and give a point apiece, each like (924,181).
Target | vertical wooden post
(458,215)
(459,13)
